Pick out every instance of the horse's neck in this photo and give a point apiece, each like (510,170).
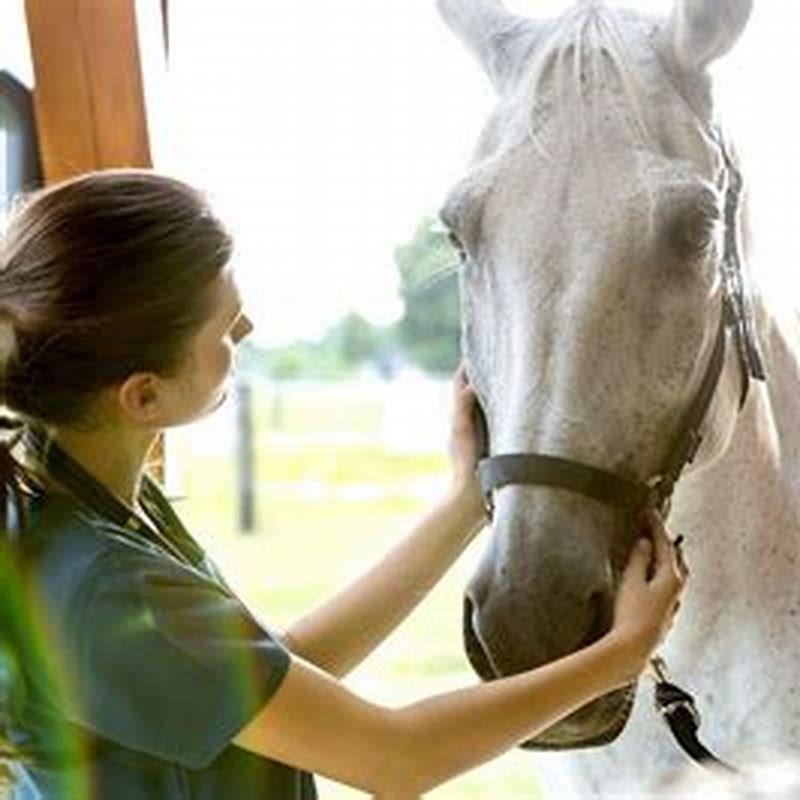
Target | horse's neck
(736,642)
(741,516)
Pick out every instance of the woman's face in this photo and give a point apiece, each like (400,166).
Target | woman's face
(203,382)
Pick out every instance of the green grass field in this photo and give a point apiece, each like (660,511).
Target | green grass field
(327,507)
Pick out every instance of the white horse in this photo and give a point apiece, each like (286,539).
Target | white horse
(593,227)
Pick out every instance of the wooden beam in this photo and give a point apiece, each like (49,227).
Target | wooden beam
(88,92)
(89,95)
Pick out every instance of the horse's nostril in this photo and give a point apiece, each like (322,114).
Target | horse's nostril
(476,653)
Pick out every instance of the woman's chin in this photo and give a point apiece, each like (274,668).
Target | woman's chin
(208,409)
(220,401)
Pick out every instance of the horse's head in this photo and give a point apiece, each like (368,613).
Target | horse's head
(592,227)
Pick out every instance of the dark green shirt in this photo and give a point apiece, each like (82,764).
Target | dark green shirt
(154,664)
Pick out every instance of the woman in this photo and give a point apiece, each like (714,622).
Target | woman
(121,318)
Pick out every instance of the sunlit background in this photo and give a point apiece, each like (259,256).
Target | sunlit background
(330,128)
(326,132)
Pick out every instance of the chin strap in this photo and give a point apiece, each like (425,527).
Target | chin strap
(677,708)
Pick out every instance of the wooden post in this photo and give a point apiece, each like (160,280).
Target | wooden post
(245,457)
(89,94)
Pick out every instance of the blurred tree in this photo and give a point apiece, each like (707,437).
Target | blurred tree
(428,334)
(350,344)
(318,360)
(357,340)
(430,328)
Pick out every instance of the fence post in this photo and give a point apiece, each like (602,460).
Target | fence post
(245,456)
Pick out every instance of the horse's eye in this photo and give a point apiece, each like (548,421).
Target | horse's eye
(455,243)
(693,230)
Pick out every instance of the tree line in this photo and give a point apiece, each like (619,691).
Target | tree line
(426,336)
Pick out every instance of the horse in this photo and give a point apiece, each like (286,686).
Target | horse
(597,225)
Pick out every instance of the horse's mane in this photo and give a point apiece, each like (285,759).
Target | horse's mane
(585,67)
(585,58)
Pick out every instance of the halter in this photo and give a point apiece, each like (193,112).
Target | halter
(534,469)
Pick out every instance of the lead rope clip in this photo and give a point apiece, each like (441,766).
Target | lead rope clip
(677,708)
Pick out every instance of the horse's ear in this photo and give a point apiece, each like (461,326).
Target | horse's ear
(704,30)
(496,36)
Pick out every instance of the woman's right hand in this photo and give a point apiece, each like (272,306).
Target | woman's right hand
(649,595)
(464,449)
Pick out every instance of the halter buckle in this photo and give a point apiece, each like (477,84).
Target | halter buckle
(660,496)
(686,705)
(488,505)
(659,667)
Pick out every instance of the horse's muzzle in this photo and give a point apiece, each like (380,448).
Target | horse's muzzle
(594,725)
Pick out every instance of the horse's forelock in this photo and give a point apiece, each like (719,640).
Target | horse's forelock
(588,44)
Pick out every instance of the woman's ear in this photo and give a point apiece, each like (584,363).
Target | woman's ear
(704,30)
(139,399)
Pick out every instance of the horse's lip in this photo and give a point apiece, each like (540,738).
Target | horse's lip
(557,738)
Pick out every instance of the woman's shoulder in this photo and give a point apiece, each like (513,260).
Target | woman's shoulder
(58,528)
(68,548)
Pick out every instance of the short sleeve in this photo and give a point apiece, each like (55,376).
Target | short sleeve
(167,661)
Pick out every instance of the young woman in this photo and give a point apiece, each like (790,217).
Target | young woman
(128,667)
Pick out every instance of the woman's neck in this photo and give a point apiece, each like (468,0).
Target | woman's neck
(113,456)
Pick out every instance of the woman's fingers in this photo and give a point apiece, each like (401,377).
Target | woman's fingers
(639,561)
(464,403)
(463,438)
(463,395)
(649,592)
(682,566)
(668,564)
(461,385)
(663,547)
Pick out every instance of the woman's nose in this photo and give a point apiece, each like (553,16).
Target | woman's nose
(243,328)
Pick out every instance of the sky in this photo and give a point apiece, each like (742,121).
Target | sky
(325,131)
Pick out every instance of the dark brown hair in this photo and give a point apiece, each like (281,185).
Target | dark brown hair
(100,276)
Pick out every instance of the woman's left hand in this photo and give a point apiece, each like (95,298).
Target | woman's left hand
(464,446)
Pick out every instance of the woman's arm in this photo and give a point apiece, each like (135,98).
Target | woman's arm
(340,633)
(315,723)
